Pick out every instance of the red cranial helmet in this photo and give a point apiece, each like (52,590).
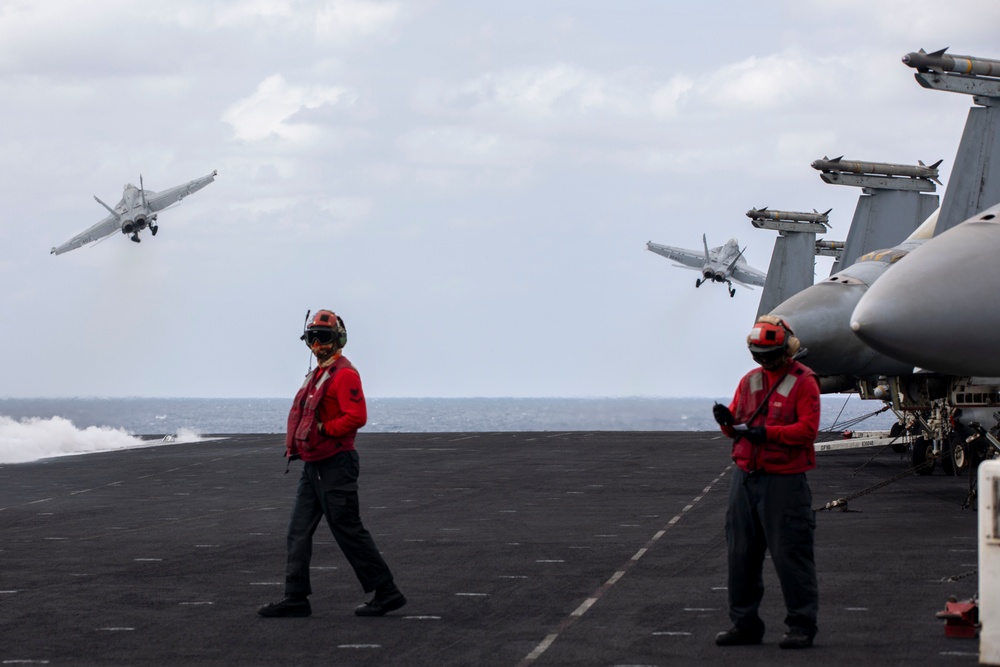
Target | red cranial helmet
(325,328)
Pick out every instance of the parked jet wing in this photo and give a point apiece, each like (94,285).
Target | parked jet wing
(157,201)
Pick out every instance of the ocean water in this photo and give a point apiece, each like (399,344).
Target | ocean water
(204,416)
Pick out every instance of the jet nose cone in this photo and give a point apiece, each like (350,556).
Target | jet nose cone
(819,316)
(936,308)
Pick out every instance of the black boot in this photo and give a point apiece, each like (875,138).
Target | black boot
(387,598)
(289,607)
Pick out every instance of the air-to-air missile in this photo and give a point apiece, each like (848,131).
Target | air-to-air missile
(820,316)
(840,165)
(940,62)
(823,244)
(937,309)
(789,216)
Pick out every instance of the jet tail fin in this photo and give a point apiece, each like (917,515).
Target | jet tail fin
(704,240)
(110,210)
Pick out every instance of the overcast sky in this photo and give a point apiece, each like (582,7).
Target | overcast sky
(469,184)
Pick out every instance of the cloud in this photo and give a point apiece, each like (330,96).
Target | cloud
(469,146)
(558,92)
(267,111)
(345,20)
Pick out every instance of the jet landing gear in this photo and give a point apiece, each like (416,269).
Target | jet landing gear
(135,237)
(732,290)
(153,229)
(697,283)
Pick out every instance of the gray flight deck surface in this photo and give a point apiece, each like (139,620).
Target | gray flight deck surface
(581,548)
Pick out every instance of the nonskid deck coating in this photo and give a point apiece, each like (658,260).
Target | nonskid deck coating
(578,548)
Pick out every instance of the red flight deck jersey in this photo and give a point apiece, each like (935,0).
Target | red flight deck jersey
(791,419)
(331,394)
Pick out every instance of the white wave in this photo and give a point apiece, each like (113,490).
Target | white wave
(34,438)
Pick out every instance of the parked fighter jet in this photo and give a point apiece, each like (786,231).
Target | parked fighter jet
(820,316)
(935,310)
(722,264)
(136,211)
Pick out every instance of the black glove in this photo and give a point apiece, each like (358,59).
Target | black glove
(756,434)
(722,415)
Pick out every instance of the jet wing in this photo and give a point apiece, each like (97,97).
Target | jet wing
(686,259)
(157,201)
(747,275)
(105,227)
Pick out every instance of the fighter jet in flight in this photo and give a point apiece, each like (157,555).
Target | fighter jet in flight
(722,264)
(136,211)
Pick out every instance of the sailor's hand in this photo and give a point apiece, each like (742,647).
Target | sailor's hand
(756,434)
(723,416)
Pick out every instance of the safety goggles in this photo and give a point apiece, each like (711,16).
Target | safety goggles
(768,357)
(321,336)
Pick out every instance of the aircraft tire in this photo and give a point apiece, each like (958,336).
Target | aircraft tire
(922,450)
(895,431)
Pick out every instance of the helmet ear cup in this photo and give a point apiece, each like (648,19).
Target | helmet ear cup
(341,331)
(792,346)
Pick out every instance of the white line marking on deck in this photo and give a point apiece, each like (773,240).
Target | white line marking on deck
(360,646)
(592,600)
(671,634)
(582,609)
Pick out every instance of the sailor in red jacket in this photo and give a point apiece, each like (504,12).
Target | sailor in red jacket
(322,424)
(773,420)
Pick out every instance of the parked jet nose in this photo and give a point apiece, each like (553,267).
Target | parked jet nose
(819,315)
(936,308)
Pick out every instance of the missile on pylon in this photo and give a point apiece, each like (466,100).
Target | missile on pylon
(840,165)
(940,62)
(790,216)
